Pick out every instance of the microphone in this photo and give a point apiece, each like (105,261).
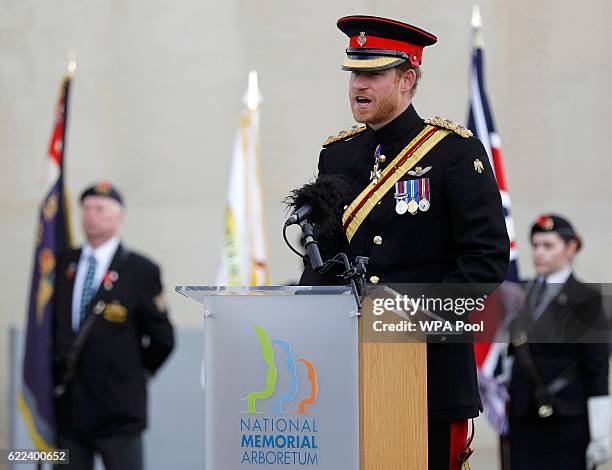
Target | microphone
(321,202)
(299,215)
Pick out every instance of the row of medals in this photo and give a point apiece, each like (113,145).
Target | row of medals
(402,204)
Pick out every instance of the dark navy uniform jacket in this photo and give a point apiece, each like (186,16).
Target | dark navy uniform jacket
(461,238)
(129,341)
(567,330)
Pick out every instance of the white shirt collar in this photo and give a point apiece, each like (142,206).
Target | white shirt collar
(103,253)
(559,277)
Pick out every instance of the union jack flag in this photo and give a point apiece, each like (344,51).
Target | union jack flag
(480,121)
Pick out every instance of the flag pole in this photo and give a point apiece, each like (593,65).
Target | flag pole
(258,244)
(253,99)
(477,25)
(72,64)
(70,72)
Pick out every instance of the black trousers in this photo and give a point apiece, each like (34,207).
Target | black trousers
(121,452)
(548,443)
(444,442)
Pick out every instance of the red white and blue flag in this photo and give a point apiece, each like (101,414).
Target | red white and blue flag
(52,237)
(480,121)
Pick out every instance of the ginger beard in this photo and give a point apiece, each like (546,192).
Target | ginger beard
(375,97)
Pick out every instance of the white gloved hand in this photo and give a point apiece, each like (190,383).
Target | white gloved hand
(599,450)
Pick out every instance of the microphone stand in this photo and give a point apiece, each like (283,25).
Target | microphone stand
(354,275)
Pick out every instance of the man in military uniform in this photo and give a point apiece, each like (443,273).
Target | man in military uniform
(426,207)
(559,405)
(111,333)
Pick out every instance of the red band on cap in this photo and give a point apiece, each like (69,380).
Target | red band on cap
(374,42)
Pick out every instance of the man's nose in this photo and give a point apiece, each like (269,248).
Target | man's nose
(360,82)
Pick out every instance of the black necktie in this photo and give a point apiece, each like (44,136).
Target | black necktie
(540,290)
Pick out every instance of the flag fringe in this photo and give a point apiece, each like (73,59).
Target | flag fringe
(39,442)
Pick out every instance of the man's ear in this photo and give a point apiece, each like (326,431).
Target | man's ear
(407,80)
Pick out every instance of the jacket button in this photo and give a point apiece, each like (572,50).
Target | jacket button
(378,240)
(374,279)
(99,307)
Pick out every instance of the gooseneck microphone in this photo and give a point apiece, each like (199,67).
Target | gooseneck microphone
(298,215)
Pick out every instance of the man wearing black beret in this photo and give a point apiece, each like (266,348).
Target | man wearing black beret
(426,207)
(559,405)
(111,333)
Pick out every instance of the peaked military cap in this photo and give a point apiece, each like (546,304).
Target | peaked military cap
(379,43)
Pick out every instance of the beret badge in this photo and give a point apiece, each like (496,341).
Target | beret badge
(103,188)
(545,223)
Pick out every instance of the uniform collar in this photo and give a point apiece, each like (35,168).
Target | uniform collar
(406,122)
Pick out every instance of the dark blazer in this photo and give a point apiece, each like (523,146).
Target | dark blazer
(131,338)
(461,238)
(565,330)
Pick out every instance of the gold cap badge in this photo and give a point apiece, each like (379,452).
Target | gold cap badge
(361,40)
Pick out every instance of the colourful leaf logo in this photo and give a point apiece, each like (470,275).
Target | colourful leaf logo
(293,391)
(267,353)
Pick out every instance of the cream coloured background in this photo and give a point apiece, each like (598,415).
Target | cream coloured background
(157,96)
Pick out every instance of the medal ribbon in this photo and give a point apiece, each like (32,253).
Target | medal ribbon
(414,193)
(401,190)
(424,189)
